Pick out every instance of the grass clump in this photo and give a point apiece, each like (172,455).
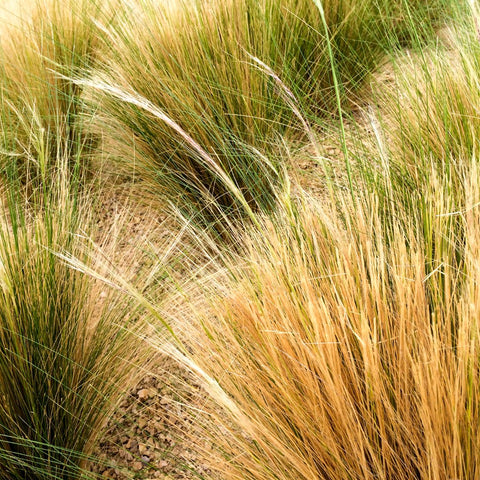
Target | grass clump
(331,357)
(336,340)
(193,61)
(430,113)
(66,356)
(425,128)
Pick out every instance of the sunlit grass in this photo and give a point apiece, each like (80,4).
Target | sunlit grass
(337,351)
(334,338)
(41,39)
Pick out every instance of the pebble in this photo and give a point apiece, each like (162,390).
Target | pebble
(131,444)
(144,394)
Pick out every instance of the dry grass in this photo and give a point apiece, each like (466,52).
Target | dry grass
(428,113)
(336,339)
(332,358)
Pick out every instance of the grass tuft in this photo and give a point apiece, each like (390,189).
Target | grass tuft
(66,355)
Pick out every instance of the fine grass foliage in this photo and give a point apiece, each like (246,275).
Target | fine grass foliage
(45,37)
(66,356)
(430,113)
(335,339)
(338,353)
(193,61)
(424,132)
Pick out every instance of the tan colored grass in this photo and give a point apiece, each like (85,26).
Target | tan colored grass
(427,103)
(41,39)
(336,355)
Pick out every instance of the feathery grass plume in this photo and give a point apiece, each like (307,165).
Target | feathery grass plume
(42,37)
(66,355)
(202,189)
(329,354)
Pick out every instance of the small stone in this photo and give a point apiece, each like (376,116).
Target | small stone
(150,429)
(137,466)
(144,394)
(131,444)
(163,464)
